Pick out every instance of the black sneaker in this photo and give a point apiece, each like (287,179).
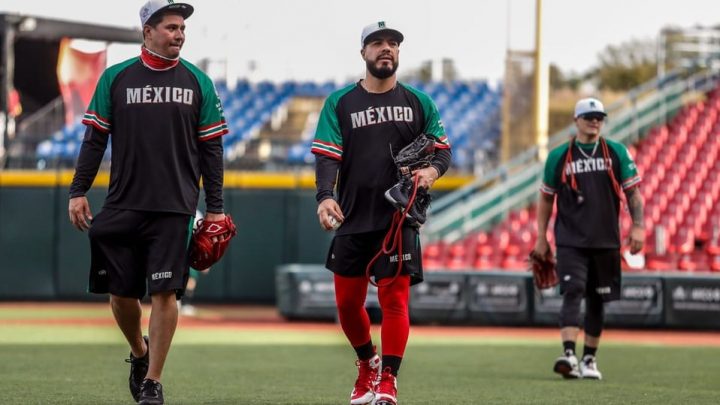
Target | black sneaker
(417,214)
(138,370)
(151,393)
(399,194)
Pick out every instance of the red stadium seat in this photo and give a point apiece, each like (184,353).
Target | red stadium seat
(491,261)
(715,263)
(695,261)
(661,262)
(432,255)
(458,257)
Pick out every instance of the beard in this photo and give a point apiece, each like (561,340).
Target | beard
(382,72)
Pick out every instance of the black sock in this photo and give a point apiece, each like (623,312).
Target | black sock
(589,351)
(569,347)
(391,362)
(366,351)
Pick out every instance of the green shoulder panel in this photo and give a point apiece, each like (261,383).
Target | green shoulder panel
(628,169)
(212,121)
(328,138)
(99,112)
(433,124)
(550,178)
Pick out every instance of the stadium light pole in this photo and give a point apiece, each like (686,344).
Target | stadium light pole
(541,87)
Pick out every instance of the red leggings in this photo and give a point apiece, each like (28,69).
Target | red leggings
(350,293)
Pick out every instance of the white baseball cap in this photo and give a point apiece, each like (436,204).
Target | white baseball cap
(589,105)
(153,6)
(378,28)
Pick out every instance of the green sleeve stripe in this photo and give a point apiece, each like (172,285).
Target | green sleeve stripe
(442,142)
(328,136)
(545,189)
(327,146)
(332,151)
(631,182)
(217,129)
(91,118)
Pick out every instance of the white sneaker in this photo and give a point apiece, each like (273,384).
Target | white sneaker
(187,310)
(363,392)
(386,391)
(589,368)
(567,366)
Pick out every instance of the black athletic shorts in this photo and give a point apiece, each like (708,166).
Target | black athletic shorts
(349,255)
(594,270)
(138,251)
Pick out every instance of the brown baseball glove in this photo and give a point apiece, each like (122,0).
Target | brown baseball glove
(543,268)
(209,242)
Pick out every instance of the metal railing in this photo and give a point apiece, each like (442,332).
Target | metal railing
(485,201)
(32,130)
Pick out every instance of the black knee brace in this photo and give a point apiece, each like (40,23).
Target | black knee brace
(594,314)
(570,311)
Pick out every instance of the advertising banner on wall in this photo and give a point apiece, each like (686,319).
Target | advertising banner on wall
(305,292)
(498,298)
(692,302)
(440,298)
(641,304)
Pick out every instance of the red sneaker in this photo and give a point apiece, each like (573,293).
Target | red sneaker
(364,391)
(386,391)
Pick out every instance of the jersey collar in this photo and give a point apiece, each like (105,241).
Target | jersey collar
(155,61)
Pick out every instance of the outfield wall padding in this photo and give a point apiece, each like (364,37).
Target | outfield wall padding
(650,300)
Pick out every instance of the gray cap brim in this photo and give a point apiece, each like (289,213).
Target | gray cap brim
(385,31)
(184,9)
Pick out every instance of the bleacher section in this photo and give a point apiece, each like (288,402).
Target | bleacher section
(470,111)
(681,187)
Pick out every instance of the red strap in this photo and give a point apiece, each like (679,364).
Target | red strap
(393,238)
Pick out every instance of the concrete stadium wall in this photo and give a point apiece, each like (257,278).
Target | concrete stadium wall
(45,258)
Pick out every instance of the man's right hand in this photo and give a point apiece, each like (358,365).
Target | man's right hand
(79,212)
(329,207)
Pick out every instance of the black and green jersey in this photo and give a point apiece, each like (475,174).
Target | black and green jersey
(156,119)
(594,222)
(363,130)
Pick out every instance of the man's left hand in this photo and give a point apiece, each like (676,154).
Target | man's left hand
(427,176)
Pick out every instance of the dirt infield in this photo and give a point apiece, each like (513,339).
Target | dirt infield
(266,318)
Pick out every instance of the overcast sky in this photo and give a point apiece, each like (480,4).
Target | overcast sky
(320,39)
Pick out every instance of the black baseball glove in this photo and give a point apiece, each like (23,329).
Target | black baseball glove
(416,155)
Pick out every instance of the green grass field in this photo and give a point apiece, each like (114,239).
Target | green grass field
(84,365)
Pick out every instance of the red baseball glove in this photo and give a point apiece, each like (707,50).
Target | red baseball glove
(209,242)
(543,268)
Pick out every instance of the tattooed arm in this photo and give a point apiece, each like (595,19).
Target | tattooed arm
(637,231)
(544,211)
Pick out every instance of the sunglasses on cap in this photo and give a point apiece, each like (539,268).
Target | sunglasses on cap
(593,116)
